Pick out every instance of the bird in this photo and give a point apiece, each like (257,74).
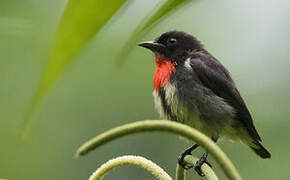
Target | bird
(192,87)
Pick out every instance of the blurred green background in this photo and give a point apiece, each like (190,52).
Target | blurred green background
(251,38)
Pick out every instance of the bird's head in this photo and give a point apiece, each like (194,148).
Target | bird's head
(173,45)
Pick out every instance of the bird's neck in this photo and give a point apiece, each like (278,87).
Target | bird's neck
(164,68)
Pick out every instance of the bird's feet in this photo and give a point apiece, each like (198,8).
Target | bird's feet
(181,161)
(199,163)
(188,151)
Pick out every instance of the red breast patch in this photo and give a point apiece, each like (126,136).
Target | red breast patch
(164,68)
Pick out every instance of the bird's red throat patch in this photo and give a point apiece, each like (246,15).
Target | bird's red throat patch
(163,70)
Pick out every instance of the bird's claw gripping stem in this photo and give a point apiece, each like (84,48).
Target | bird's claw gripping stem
(181,161)
(200,162)
(188,151)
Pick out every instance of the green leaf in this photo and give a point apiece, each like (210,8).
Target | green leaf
(81,20)
(160,11)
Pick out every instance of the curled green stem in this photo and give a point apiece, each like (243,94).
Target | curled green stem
(168,126)
(153,168)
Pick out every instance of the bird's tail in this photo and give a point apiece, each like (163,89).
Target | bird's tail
(258,148)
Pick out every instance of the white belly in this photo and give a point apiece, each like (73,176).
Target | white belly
(191,117)
(183,114)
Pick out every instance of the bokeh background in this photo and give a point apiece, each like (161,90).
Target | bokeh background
(93,94)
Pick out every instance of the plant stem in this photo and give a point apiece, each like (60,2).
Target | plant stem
(154,169)
(168,126)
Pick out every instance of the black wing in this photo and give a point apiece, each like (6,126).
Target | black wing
(215,77)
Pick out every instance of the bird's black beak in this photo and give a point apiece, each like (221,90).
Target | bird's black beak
(153,46)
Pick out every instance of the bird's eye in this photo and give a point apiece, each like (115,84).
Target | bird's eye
(171,41)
